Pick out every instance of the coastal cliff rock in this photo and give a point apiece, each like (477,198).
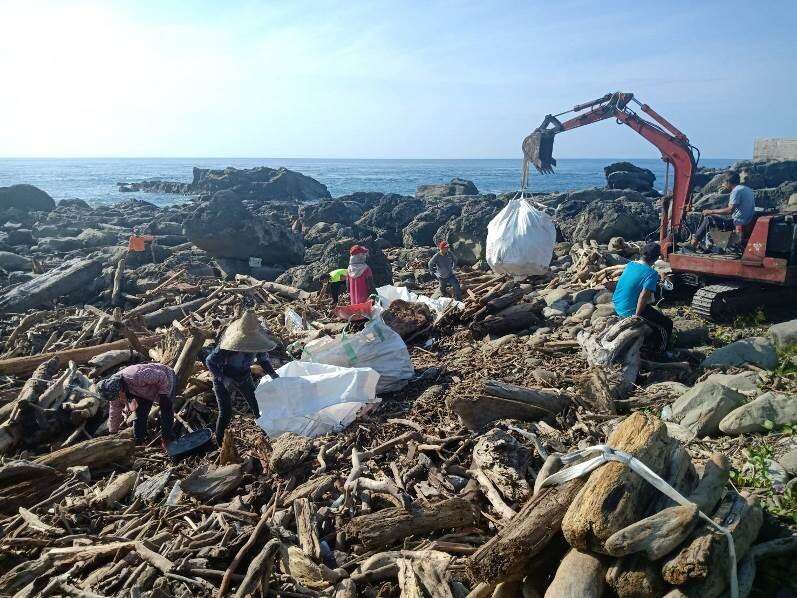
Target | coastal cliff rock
(25,198)
(258,184)
(600,221)
(467,233)
(456,187)
(624,175)
(226,229)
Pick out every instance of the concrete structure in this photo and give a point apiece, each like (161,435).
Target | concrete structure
(775,149)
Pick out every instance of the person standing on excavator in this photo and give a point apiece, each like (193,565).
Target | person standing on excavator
(736,215)
(634,293)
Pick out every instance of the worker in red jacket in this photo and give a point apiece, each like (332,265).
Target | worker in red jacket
(138,387)
(360,277)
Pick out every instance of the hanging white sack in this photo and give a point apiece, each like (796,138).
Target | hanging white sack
(388,294)
(520,239)
(377,346)
(312,398)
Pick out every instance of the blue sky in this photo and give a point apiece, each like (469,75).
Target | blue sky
(448,79)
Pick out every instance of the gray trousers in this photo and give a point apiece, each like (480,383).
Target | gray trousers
(453,283)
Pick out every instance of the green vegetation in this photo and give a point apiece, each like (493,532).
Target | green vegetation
(787,360)
(755,475)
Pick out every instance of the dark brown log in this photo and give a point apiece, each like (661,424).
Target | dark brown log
(187,358)
(635,577)
(33,387)
(614,496)
(656,535)
(165,315)
(495,305)
(389,526)
(511,319)
(509,553)
(259,569)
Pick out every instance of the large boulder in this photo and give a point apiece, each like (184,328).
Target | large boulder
(332,256)
(457,186)
(467,233)
(602,220)
(421,230)
(702,407)
(74,280)
(759,174)
(225,228)
(333,211)
(389,217)
(624,175)
(768,411)
(12,261)
(756,350)
(25,198)
(784,333)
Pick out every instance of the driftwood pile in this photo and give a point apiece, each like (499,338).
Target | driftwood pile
(438,492)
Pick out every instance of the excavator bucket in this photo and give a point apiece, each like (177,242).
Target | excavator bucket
(538,149)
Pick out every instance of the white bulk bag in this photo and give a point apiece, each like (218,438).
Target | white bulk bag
(388,294)
(312,398)
(520,239)
(377,346)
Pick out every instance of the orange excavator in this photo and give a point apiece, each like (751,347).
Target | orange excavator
(765,273)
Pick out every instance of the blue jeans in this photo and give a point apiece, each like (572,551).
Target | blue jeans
(454,283)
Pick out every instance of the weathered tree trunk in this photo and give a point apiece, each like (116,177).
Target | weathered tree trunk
(511,319)
(656,535)
(504,461)
(92,453)
(187,359)
(579,574)
(614,496)
(507,401)
(702,565)
(304,513)
(508,554)
(165,315)
(33,387)
(635,577)
(389,526)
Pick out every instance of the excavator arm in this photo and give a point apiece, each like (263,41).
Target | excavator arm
(673,144)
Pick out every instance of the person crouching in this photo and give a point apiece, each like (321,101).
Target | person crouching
(243,343)
(138,387)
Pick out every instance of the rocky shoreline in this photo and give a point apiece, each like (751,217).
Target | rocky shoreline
(438,490)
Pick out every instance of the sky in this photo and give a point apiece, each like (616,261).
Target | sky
(385,79)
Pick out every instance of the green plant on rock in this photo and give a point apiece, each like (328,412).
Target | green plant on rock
(787,360)
(754,474)
(751,320)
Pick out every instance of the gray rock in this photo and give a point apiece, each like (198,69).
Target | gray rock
(455,187)
(12,261)
(92,237)
(679,432)
(756,350)
(751,418)
(604,310)
(584,312)
(585,295)
(789,461)
(557,295)
(20,236)
(703,406)
(225,228)
(71,281)
(56,244)
(603,298)
(467,233)
(600,221)
(553,312)
(624,175)
(689,333)
(746,383)
(423,227)
(25,198)
(784,333)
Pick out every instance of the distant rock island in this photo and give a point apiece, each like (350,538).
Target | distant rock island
(257,184)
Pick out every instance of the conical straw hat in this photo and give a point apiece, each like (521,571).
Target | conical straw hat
(246,334)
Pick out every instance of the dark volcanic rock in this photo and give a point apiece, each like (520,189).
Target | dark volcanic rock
(25,198)
(423,227)
(225,228)
(332,211)
(621,217)
(257,184)
(332,256)
(455,187)
(77,204)
(624,175)
(467,233)
(389,217)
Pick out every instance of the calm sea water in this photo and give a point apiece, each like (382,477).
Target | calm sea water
(94,180)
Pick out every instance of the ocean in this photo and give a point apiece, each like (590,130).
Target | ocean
(94,179)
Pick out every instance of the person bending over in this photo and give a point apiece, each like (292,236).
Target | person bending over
(243,343)
(138,387)
(442,268)
(738,213)
(635,290)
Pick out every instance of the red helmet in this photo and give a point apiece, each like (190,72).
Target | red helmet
(355,249)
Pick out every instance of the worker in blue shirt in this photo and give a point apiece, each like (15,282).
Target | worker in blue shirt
(739,213)
(243,343)
(634,293)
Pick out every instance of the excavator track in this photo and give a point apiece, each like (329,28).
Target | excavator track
(725,302)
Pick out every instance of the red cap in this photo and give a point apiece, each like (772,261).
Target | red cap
(357,249)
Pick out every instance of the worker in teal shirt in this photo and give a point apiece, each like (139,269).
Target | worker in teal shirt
(634,293)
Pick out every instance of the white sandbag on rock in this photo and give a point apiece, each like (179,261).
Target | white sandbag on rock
(377,346)
(312,399)
(520,239)
(389,293)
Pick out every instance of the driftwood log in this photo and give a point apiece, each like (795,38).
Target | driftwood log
(508,554)
(507,401)
(636,577)
(385,527)
(579,574)
(95,452)
(614,496)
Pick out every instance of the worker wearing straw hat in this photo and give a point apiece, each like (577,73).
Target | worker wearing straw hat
(243,343)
